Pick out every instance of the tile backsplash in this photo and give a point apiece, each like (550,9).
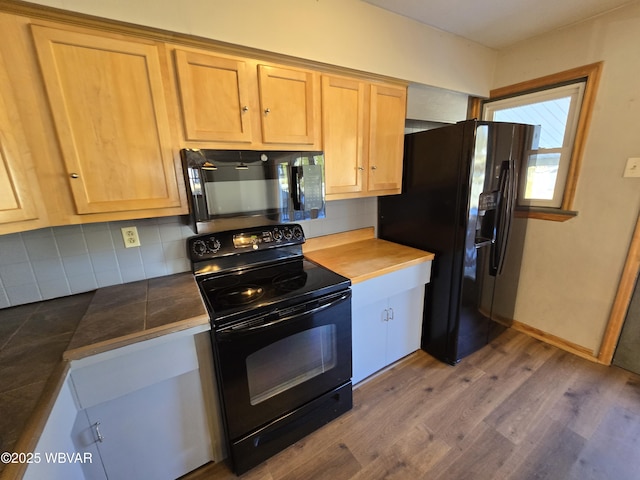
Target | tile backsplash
(59,261)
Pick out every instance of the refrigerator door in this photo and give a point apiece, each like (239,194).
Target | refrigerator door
(492,250)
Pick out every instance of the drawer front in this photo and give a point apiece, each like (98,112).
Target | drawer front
(390,284)
(119,375)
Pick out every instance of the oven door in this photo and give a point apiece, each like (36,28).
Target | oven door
(272,364)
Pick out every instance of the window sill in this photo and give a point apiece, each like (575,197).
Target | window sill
(541,213)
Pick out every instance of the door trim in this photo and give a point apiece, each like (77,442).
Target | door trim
(622,300)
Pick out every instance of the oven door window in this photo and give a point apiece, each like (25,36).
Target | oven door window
(290,362)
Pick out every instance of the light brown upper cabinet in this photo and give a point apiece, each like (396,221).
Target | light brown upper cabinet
(386,138)
(215,100)
(289,105)
(233,102)
(107,100)
(363,134)
(344,115)
(21,205)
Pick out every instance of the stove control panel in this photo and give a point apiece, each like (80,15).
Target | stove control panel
(231,242)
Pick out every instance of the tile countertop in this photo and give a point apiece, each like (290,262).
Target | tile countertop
(38,340)
(359,256)
(129,313)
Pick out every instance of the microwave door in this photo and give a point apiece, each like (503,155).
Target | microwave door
(249,188)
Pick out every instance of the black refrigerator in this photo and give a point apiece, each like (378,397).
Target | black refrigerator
(460,184)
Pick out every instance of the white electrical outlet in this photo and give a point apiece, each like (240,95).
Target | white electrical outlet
(130,237)
(633,167)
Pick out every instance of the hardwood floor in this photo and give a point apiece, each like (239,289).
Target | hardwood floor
(517,409)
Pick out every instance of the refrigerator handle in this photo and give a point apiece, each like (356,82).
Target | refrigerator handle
(507,188)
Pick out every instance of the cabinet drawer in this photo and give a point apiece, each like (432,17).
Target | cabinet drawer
(112,375)
(390,284)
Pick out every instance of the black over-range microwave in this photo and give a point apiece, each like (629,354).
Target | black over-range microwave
(237,188)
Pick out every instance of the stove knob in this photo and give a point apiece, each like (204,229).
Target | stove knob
(277,234)
(297,232)
(287,233)
(213,245)
(199,247)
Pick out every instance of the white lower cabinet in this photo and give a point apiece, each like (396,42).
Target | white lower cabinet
(157,432)
(54,457)
(147,410)
(387,318)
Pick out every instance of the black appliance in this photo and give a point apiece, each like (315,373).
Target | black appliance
(231,189)
(281,335)
(460,184)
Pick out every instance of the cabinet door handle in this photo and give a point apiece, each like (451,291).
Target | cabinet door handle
(245,109)
(267,111)
(373,167)
(74,175)
(391,311)
(384,315)
(360,168)
(99,435)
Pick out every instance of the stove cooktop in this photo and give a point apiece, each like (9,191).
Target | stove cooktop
(258,289)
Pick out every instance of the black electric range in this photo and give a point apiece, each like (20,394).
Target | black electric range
(281,336)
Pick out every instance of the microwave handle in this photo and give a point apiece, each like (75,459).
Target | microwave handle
(295,187)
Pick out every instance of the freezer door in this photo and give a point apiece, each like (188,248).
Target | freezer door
(500,263)
(481,223)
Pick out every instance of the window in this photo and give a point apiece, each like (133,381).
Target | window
(556,111)
(561,104)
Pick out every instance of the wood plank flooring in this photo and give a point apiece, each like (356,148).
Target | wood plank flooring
(517,409)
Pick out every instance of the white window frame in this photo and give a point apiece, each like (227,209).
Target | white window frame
(575,91)
(591,74)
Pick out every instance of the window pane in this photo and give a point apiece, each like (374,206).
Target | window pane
(551,115)
(541,176)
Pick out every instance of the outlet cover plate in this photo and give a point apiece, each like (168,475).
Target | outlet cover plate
(130,237)
(633,167)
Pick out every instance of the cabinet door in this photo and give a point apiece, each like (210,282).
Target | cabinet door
(85,439)
(344,114)
(214,94)
(107,100)
(386,138)
(369,338)
(157,432)
(290,107)
(19,193)
(405,323)
(55,440)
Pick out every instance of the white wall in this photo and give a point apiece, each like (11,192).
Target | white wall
(348,33)
(571,270)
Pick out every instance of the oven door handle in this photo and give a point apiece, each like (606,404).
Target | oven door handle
(255,325)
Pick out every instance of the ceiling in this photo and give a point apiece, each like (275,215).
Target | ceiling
(499,23)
